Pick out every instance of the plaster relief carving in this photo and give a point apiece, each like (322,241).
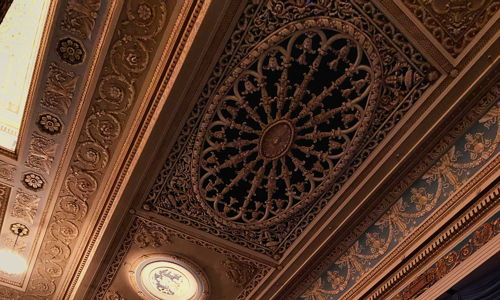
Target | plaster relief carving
(71,51)
(237,272)
(49,123)
(25,206)
(41,153)
(59,89)
(108,112)
(247,158)
(33,181)
(80,17)
(273,141)
(7,171)
(113,295)
(453,23)
(150,237)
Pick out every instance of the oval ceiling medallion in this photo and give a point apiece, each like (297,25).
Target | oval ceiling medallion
(161,277)
(286,122)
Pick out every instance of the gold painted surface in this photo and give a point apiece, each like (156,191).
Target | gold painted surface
(20,36)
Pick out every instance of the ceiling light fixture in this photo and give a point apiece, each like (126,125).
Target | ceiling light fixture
(12,262)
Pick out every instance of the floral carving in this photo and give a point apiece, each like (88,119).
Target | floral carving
(33,181)
(237,272)
(150,237)
(60,86)
(70,51)
(273,141)
(113,295)
(19,229)
(453,23)
(7,171)
(41,153)
(108,112)
(80,17)
(405,75)
(25,206)
(49,124)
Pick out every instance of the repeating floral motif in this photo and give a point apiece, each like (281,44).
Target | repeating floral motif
(59,89)
(25,206)
(406,75)
(452,259)
(134,43)
(469,153)
(41,153)
(7,171)
(453,23)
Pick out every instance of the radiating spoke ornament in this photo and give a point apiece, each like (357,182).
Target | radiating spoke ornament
(286,121)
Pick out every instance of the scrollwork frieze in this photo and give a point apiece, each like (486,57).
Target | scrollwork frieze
(110,107)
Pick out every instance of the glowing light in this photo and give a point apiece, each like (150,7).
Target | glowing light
(11,262)
(20,36)
(167,280)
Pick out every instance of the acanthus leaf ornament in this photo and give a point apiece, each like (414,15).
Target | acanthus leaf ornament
(286,121)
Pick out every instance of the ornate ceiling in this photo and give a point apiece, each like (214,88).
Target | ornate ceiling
(273,149)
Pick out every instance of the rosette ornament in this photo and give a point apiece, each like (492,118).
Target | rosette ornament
(285,122)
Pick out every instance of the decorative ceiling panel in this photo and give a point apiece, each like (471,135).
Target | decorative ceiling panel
(298,100)
(454,23)
(231,275)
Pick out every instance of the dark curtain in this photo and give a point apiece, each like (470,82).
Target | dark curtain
(485,288)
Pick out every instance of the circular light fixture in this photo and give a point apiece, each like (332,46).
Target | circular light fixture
(161,277)
(11,262)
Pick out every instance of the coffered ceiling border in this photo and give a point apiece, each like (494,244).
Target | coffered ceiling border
(186,25)
(57,103)
(328,255)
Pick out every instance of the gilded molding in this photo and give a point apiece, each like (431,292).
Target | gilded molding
(454,24)
(447,236)
(135,41)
